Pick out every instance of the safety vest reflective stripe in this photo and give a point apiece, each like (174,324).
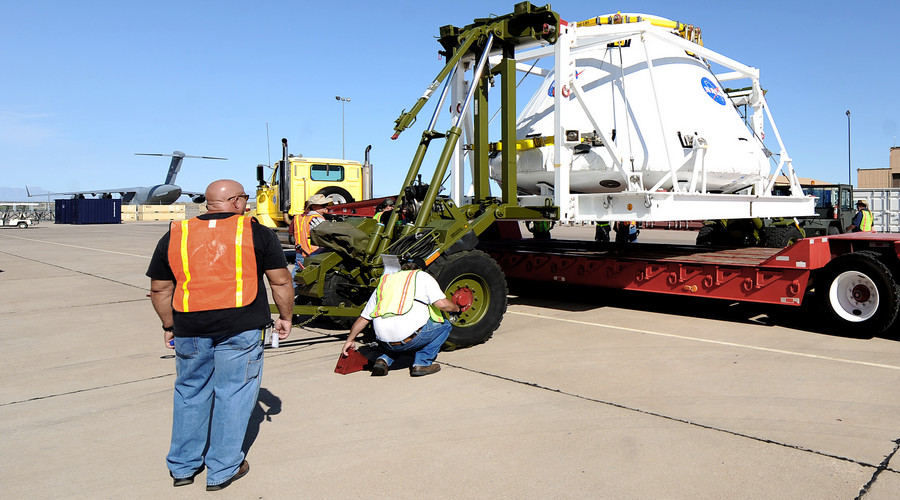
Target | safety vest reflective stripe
(214,264)
(184,264)
(388,302)
(302,233)
(866,223)
(239,265)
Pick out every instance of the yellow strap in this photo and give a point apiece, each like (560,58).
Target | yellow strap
(184,265)
(238,264)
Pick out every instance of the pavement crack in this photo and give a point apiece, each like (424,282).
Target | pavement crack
(682,420)
(883,466)
(76,271)
(87,389)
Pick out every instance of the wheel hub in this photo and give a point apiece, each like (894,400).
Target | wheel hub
(853,296)
(860,293)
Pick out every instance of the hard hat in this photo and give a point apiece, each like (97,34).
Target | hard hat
(862,203)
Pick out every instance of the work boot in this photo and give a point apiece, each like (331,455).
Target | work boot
(380,368)
(421,371)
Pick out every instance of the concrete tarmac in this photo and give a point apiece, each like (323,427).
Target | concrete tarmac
(579,394)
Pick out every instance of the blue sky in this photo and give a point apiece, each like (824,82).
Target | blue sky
(85,85)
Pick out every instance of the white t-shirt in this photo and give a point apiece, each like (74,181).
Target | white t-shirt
(396,328)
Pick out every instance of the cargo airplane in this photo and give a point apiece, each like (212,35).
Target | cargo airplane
(161,194)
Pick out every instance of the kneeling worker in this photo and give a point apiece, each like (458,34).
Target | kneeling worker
(406,309)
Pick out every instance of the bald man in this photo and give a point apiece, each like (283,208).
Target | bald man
(206,285)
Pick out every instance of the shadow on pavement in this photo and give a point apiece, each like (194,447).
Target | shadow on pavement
(579,299)
(267,404)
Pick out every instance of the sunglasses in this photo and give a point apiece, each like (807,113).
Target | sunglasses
(245,197)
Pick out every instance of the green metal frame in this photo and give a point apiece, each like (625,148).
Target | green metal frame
(439,217)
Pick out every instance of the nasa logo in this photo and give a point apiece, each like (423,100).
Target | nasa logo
(712,90)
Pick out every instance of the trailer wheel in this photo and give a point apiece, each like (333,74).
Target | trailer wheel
(859,294)
(479,273)
(336,195)
(780,237)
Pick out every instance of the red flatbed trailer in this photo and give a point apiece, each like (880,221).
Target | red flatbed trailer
(856,273)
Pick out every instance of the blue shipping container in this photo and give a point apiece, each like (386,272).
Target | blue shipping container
(65,211)
(89,211)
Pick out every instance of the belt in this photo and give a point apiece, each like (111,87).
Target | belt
(407,339)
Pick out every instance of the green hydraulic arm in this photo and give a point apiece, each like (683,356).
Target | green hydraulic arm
(439,224)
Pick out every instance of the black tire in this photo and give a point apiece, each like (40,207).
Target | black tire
(337,195)
(22,225)
(336,294)
(833,230)
(780,237)
(335,289)
(477,271)
(858,294)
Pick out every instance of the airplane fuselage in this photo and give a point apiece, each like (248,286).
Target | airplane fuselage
(160,194)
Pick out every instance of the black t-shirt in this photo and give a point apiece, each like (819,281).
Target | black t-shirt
(269,255)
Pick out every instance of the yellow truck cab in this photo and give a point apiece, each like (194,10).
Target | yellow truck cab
(296,178)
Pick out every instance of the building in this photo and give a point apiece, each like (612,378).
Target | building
(881,177)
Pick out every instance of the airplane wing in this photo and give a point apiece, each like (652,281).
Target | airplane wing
(95,192)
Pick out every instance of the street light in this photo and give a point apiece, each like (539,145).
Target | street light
(346,100)
(849,175)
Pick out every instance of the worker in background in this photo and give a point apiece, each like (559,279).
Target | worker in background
(626,232)
(406,309)
(862,221)
(301,228)
(540,228)
(382,208)
(601,231)
(206,285)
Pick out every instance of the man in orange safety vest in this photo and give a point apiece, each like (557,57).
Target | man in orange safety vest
(302,226)
(206,285)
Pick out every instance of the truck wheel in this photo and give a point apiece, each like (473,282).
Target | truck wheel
(478,272)
(859,294)
(335,294)
(780,237)
(22,225)
(337,195)
(832,230)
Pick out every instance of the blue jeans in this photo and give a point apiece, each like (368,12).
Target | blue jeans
(426,345)
(216,388)
(298,263)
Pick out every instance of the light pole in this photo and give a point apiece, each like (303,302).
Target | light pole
(849,174)
(343,101)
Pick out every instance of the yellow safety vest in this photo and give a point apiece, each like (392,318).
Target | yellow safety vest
(395,294)
(866,223)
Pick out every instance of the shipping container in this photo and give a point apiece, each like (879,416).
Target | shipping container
(89,211)
(65,211)
(884,203)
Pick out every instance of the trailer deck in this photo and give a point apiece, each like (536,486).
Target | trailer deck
(764,275)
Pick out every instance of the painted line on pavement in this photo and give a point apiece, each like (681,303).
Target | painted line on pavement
(708,341)
(76,246)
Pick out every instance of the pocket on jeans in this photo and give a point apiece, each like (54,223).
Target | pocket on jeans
(186,347)
(254,366)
